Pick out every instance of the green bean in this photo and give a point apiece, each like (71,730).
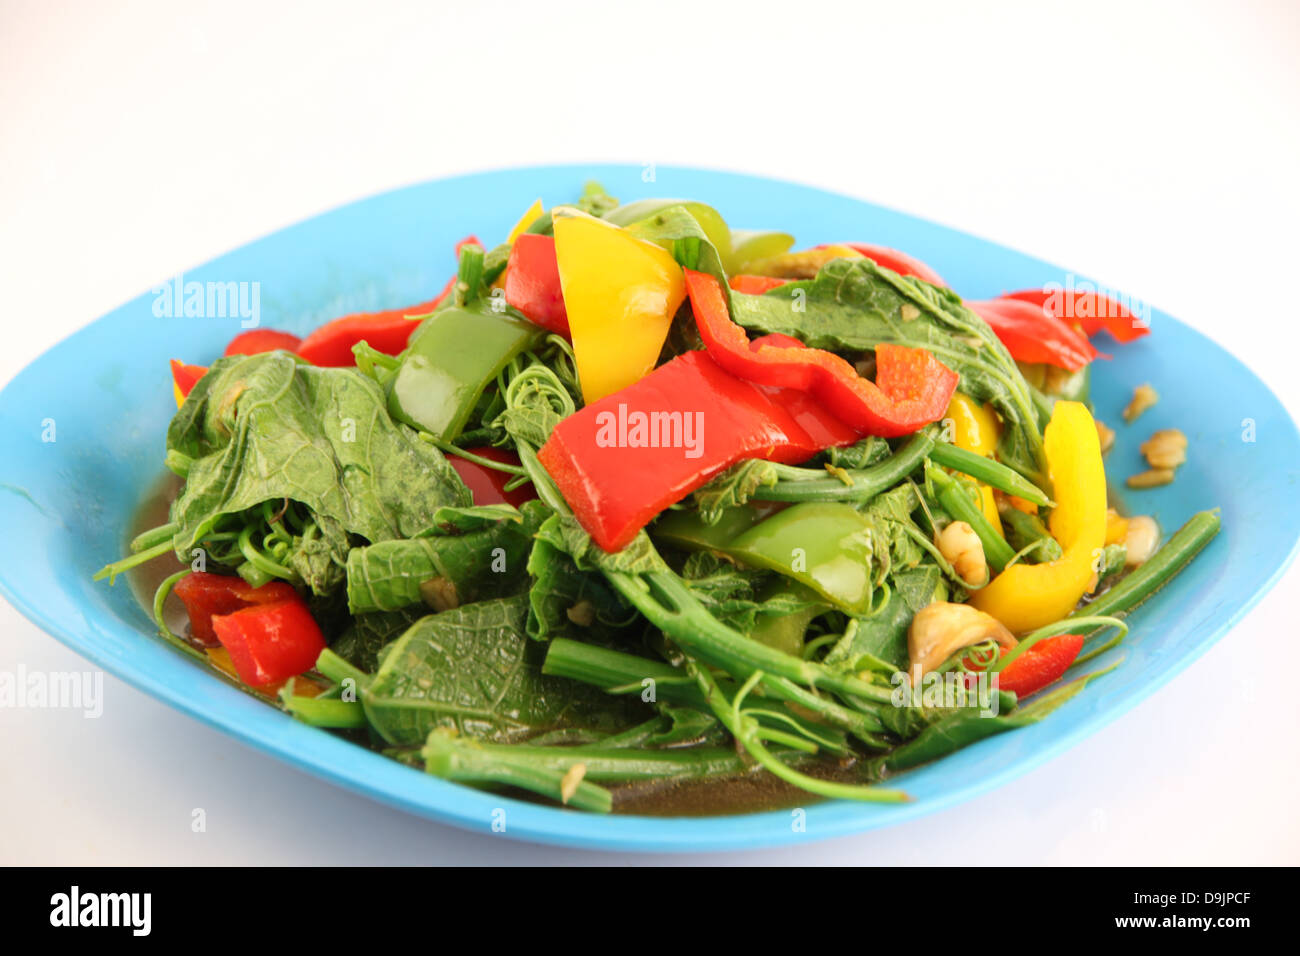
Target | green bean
(992,473)
(798,484)
(1026,531)
(956,502)
(1156,572)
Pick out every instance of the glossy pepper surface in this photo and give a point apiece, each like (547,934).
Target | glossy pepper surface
(206,595)
(533,283)
(1032,334)
(825,546)
(912,387)
(622,460)
(458,352)
(975,428)
(1042,664)
(620,295)
(270,642)
(1028,596)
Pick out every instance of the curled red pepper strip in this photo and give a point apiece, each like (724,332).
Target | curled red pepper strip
(1091,311)
(1032,334)
(912,387)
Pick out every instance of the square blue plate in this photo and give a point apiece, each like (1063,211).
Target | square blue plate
(104,395)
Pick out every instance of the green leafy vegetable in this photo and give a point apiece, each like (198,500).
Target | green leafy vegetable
(475,669)
(266,428)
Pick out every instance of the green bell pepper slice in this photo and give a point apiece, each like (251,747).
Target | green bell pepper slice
(687,530)
(825,546)
(454,355)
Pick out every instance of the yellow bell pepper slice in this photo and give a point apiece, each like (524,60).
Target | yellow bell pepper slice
(975,428)
(1028,596)
(527,219)
(620,294)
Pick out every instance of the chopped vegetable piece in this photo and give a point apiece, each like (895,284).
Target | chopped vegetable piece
(1032,334)
(622,460)
(257,341)
(387,332)
(1042,664)
(1025,596)
(755,285)
(488,485)
(459,351)
(270,642)
(205,595)
(533,283)
(912,387)
(825,546)
(184,378)
(620,295)
(530,216)
(1091,311)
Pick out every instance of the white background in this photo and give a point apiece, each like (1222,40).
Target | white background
(1152,145)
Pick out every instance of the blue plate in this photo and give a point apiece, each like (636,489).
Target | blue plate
(103,395)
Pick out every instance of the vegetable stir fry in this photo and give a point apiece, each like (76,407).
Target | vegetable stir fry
(642,500)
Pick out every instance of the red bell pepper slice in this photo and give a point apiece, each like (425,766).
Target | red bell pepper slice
(205,595)
(756,285)
(1032,334)
(487,486)
(1042,664)
(331,344)
(900,262)
(270,642)
(533,283)
(622,460)
(1091,311)
(912,387)
(257,341)
(186,376)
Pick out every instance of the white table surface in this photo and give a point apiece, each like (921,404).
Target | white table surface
(1153,145)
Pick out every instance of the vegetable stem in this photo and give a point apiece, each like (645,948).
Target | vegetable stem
(1153,574)
(958,504)
(857,485)
(992,473)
